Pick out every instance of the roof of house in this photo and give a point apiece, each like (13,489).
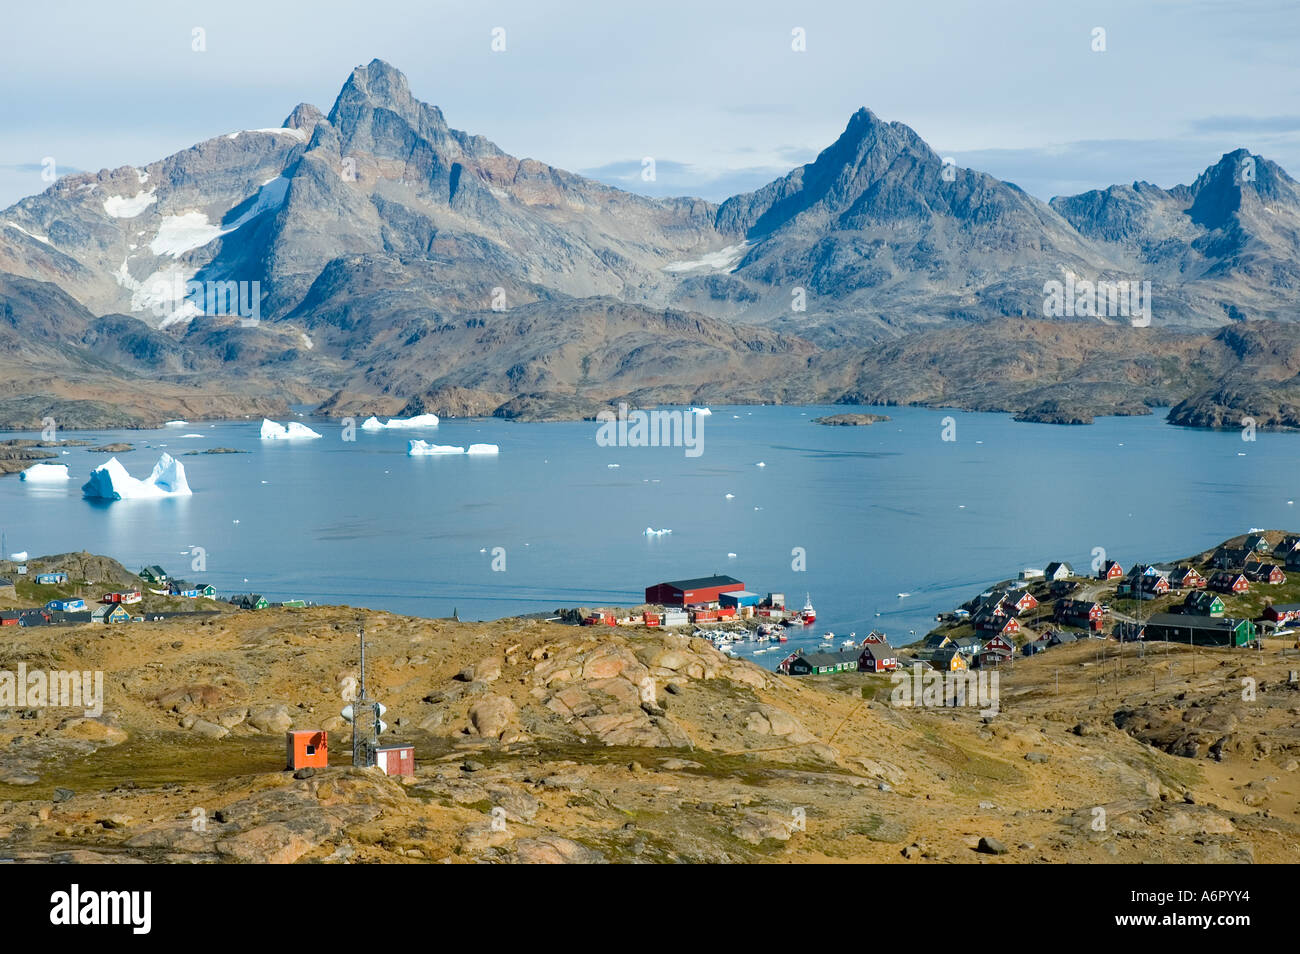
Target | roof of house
(1222,624)
(1199,597)
(702,582)
(1286,607)
(819,660)
(1056,565)
(877,648)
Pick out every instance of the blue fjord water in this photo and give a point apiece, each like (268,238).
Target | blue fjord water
(878,511)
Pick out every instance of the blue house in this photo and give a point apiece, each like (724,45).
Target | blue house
(66,606)
(51,578)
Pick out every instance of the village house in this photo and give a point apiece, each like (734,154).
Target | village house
(875,637)
(1292,561)
(949,660)
(1202,603)
(110,613)
(1085,613)
(1061,637)
(1058,571)
(1258,543)
(255,601)
(1184,577)
(1282,612)
(34,617)
(1230,558)
(1229,582)
(1265,573)
(1200,630)
(66,606)
(51,579)
(1002,625)
(1110,570)
(153,574)
(806,664)
(877,656)
(9,617)
(1289,544)
(995,652)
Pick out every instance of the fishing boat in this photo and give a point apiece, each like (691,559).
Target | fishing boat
(808,615)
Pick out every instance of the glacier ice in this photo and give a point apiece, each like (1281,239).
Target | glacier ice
(399,423)
(425,449)
(110,481)
(45,473)
(271,431)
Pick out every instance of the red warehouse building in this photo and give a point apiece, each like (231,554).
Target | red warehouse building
(705,589)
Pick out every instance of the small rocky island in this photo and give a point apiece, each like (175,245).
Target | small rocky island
(214,450)
(850,420)
(118,448)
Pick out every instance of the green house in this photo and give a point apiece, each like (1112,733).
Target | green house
(1203,603)
(250,601)
(207,589)
(806,664)
(1200,630)
(153,574)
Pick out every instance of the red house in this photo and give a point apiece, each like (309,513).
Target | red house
(877,657)
(704,589)
(1000,644)
(1226,582)
(1265,573)
(1111,571)
(1186,577)
(1084,613)
(1282,612)
(1024,602)
(1006,625)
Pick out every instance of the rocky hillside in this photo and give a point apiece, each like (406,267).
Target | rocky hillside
(539,742)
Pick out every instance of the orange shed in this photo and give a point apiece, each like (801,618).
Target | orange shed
(306,748)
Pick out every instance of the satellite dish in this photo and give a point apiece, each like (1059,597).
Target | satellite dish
(347,713)
(380,708)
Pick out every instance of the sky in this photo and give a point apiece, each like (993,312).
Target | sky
(715,91)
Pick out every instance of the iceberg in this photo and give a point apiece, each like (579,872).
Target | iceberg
(652,532)
(110,481)
(45,473)
(397,423)
(271,431)
(425,449)
(18,557)
(702,411)
(483,449)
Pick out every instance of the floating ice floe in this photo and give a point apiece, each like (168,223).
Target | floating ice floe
(398,423)
(760,464)
(45,473)
(731,496)
(702,411)
(612,466)
(652,532)
(418,448)
(110,481)
(271,431)
(191,435)
(175,423)
(483,449)
(731,556)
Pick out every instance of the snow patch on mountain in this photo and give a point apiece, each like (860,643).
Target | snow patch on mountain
(129,206)
(724,259)
(33,235)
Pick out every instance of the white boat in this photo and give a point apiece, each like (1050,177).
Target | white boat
(848,644)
